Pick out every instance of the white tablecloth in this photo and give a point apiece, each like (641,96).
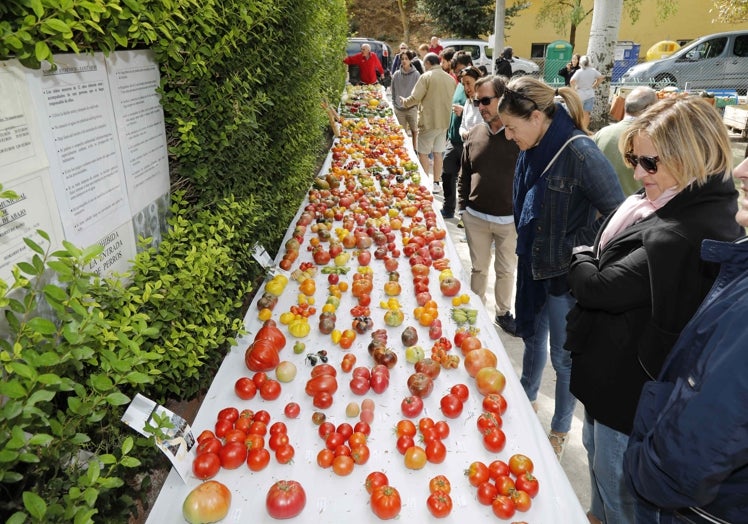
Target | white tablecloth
(332,498)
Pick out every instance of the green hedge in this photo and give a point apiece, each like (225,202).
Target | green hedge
(242,86)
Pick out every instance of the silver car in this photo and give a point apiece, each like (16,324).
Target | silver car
(718,61)
(483,55)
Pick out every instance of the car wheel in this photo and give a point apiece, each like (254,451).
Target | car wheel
(664,80)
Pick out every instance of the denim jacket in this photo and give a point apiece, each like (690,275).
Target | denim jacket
(582,191)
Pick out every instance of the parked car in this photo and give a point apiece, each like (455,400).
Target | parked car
(483,55)
(718,61)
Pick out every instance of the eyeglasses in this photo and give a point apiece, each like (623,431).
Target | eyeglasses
(477,102)
(648,163)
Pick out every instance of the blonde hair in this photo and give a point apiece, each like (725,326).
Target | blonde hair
(688,135)
(525,94)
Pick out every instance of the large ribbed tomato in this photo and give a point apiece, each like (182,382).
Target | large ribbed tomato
(385,502)
(270,331)
(285,500)
(208,502)
(261,355)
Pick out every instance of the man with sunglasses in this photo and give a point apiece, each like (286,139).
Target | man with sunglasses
(485,200)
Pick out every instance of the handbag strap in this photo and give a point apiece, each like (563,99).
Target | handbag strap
(559,152)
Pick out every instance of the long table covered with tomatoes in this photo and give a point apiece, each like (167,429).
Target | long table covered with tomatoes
(370,374)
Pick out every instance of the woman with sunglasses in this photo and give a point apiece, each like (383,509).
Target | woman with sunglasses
(643,279)
(563,188)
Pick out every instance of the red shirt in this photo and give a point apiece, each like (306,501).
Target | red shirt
(436,50)
(367,68)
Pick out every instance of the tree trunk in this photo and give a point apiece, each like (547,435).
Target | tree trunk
(404,20)
(573,35)
(606,20)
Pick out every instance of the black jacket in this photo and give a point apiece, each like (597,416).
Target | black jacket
(635,297)
(503,67)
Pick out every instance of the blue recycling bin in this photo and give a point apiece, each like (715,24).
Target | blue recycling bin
(626,56)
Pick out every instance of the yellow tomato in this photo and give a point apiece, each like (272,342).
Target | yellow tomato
(335,335)
(264,314)
(286,318)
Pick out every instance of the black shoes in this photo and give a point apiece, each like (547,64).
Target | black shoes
(447,215)
(507,323)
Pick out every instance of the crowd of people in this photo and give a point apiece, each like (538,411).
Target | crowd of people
(627,257)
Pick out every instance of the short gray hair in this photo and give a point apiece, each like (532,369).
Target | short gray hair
(584,61)
(639,99)
(431,59)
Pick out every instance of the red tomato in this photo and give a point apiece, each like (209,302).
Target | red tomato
(436,451)
(258,459)
(230,414)
(404,442)
(374,480)
(385,502)
(278,427)
(258,428)
(245,388)
(486,421)
(494,440)
(259,378)
(206,465)
(222,427)
(345,429)
(235,435)
(334,440)
(405,427)
(325,458)
(270,390)
(451,405)
(205,434)
(210,445)
(521,499)
(504,484)
(284,454)
(439,504)
(440,483)
(342,449)
(495,403)
(292,410)
(477,473)
(442,429)
(254,441)
(527,483)
(233,455)
(277,440)
(362,427)
(243,424)
(262,416)
(461,390)
(357,439)
(360,454)
(411,406)
(285,500)
(503,507)
(326,429)
(519,464)
(487,491)
(498,468)
(349,360)
(342,465)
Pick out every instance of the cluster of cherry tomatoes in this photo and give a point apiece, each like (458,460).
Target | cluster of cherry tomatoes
(345,446)
(432,435)
(238,438)
(506,487)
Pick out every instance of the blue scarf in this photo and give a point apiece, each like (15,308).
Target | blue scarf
(528,194)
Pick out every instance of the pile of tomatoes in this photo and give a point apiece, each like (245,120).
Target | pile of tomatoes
(506,487)
(344,447)
(432,435)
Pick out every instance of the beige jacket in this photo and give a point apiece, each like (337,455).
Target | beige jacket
(433,94)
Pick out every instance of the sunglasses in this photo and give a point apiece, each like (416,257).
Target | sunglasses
(486,100)
(648,163)
(516,97)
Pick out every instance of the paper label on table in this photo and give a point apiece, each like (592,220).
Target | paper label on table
(261,256)
(179,441)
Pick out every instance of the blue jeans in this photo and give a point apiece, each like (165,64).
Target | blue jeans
(551,318)
(611,502)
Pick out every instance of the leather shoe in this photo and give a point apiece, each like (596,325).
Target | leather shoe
(507,323)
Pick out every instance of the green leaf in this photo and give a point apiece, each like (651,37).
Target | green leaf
(36,6)
(101,382)
(117,399)
(41,395)
(56,25)
(40,439)
(35,505)
(42,325)
(27,268)
(33,246)
(127,445)
(55,292)
(8,455)
(12,389)
(41,51)
(130,462)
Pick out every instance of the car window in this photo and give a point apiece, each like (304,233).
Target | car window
(474,51)
(741,46)
(709,49)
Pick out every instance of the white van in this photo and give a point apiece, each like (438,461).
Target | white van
(483,55)
(718,61)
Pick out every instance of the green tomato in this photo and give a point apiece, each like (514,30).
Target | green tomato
(414,353)
(299,348)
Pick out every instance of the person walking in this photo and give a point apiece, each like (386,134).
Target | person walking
(403,82)
(434,46)
(635,275)
(569,69)
(585,80)
(639,99)
(687,457)
(370,68)
(433,95)
(564,187)
(453,152)
(488,162)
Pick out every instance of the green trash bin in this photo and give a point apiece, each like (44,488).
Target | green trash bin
(557,55)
